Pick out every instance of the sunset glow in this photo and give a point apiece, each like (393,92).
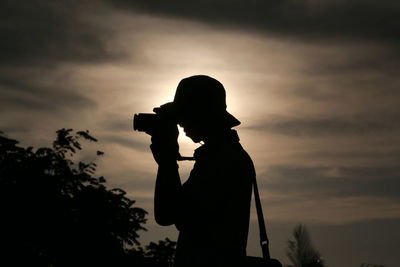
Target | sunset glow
(315,85)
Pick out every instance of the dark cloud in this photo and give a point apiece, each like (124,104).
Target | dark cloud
(342,241)
(126,142)
(317,182)
(355,60)
(38,39)
(118,125)
(123,131)
(342,245)
(360,124)
(384,152)
(356,19)
(45,32)
(28,94)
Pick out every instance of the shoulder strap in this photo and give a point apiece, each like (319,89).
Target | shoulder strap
(264,242)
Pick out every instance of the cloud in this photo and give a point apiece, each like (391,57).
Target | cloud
(338,242)
(42,44)
(43,32)
(127,142)
(358,124)
(118,124)
(330,195)
(30,95)
(332,182)
(351,20)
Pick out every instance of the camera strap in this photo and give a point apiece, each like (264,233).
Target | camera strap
(264,242)
(182,158)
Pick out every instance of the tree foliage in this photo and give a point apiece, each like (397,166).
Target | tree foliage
(55,212)
(301,251)
(162,253)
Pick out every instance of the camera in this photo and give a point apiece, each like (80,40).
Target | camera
(150,122)
(145,122)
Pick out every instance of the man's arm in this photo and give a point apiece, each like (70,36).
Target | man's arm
(167,194)
(165,150)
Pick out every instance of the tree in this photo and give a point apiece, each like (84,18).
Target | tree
(161,254)
(301,251)
(55,212)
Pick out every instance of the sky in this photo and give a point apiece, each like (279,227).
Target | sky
(316,85)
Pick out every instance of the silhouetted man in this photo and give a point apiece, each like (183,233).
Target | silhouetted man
(211,209)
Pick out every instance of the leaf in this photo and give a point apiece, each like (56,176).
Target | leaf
(86,135)
(62,205)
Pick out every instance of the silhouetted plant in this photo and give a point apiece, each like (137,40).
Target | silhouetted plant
(301,251)
(161,254)
(54,212)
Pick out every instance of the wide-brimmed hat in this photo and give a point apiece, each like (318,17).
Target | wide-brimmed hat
(202,97)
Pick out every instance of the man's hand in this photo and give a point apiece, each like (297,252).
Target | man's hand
(164,143)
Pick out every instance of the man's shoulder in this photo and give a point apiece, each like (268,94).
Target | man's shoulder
(237,159)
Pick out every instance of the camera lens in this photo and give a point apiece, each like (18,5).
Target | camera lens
(144,122)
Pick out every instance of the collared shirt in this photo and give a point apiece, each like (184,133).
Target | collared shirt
(214,204)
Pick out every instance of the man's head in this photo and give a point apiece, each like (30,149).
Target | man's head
(200,106)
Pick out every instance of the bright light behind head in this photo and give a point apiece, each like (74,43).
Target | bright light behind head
(186,145)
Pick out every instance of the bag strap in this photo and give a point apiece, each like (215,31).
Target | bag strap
(264,242)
